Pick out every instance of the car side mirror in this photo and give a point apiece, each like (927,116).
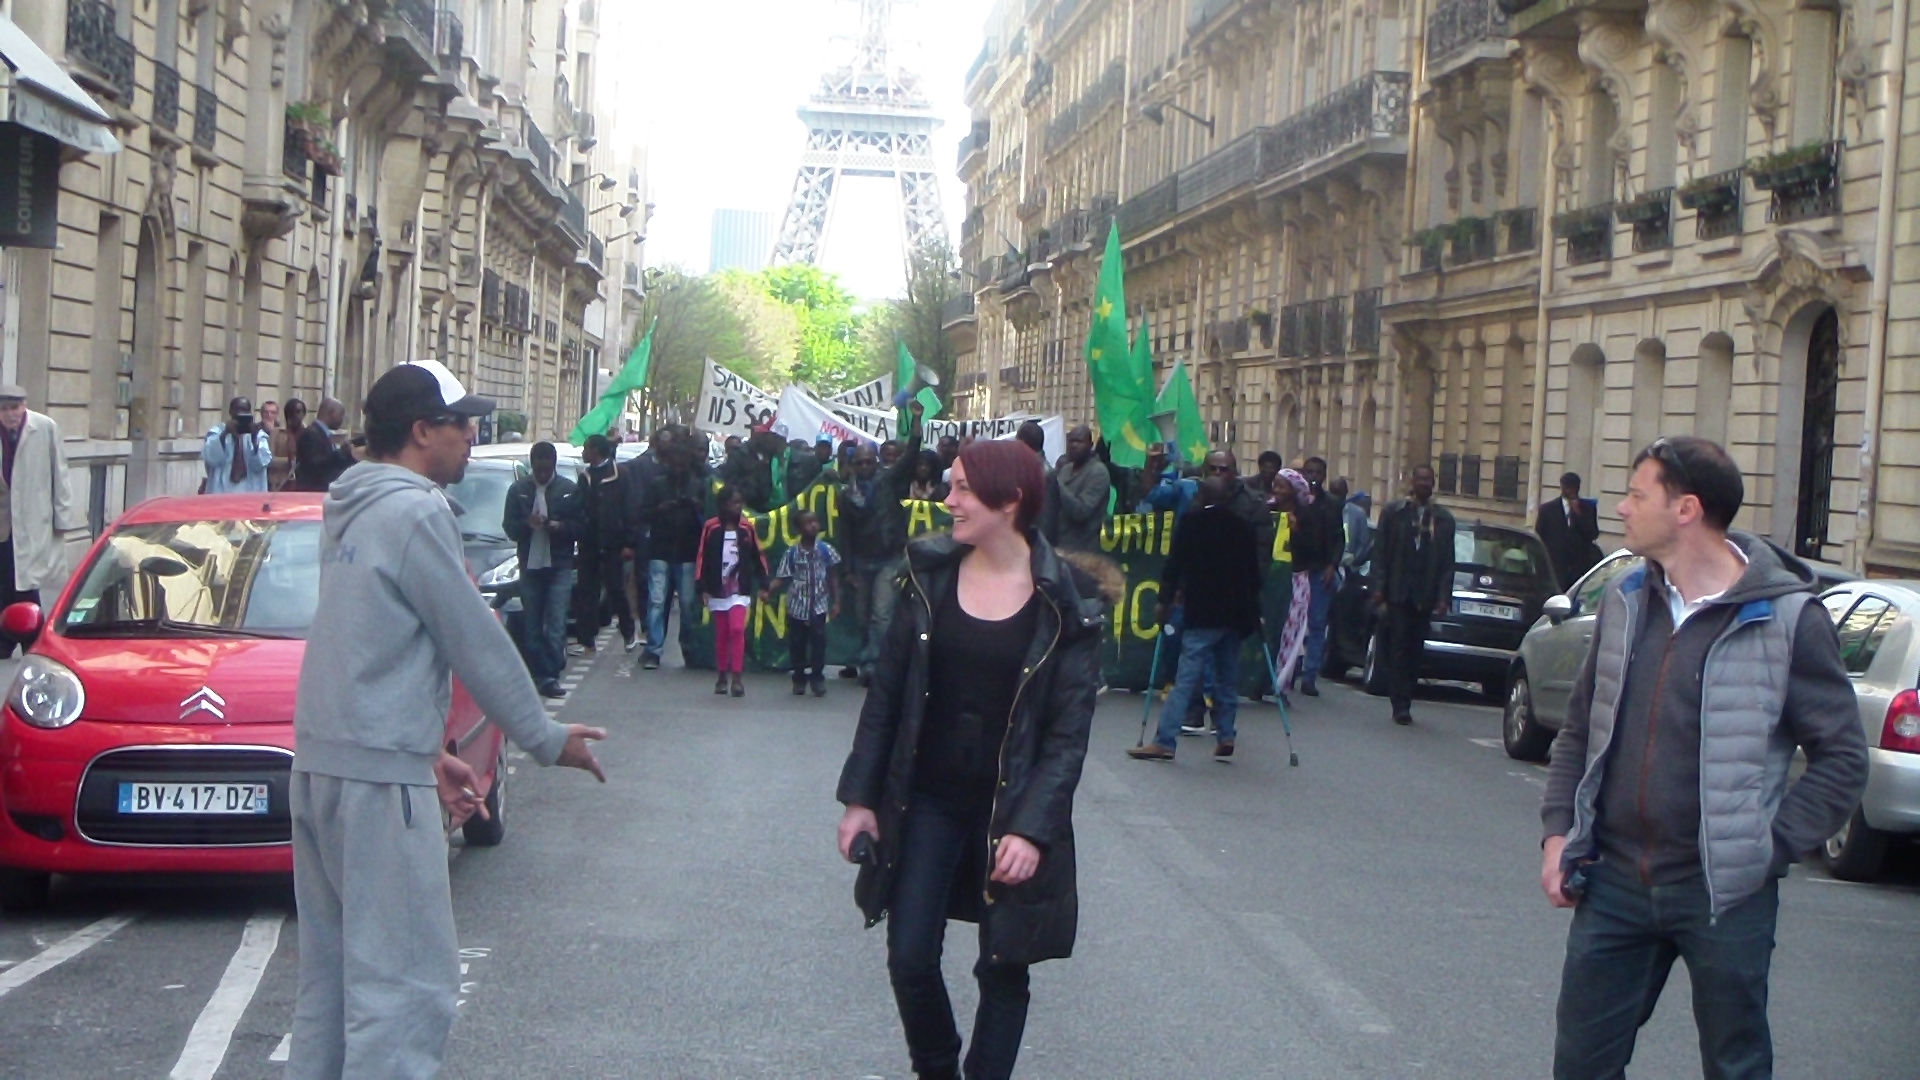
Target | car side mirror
(21,623)
(1557,608)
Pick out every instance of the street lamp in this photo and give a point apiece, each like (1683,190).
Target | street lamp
(607,183)
(1157,112)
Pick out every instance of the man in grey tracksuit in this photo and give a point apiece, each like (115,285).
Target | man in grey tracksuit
(1668,815)
(379,964)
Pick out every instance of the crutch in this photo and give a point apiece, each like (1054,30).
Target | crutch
(1280,700)
(1153,679)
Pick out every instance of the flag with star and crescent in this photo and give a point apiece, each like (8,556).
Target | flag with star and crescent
(1123,393)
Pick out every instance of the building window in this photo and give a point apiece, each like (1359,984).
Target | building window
(1817,417)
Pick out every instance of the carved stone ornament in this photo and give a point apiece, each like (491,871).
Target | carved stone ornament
(1607,43)
(161,171)
(1679,29)
(1855,65)
(1763,95)
(1552,70)
(1805,267)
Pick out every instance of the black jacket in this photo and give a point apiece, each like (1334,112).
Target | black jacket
(1040,759)
(1321,539)
(1418,578)
(674,508)
(563,509)
(1572,545)
(878,529)
(607,507)
(317,462)
(1216,567)
(753,560)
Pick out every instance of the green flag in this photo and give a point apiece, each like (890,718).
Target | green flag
(1122,400)
(1177,397)
(903,372)
(614,401)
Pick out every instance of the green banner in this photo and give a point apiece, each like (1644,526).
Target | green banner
(1137,543)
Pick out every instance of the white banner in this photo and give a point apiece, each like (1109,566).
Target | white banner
(1002,427)
(876,395)
(803,416)
(730,405)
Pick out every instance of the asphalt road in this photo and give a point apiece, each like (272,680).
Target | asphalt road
(1371,913)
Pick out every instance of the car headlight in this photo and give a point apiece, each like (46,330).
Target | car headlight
(46,693)
(507,573)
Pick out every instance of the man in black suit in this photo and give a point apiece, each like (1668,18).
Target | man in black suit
(1569,527)
(1412,581)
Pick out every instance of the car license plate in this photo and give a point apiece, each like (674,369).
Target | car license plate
(145,798)
(1488,611)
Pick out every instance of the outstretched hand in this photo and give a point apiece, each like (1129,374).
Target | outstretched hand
(577,754)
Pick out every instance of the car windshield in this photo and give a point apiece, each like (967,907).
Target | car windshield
(481,496)
(241,578)
(1501,551)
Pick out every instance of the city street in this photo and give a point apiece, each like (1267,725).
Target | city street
(1372,913)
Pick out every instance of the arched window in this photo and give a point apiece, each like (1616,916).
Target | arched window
(1713,388)
(1730,103)
(1586,385)
(1596,175)
(1649,393)
(1817,415)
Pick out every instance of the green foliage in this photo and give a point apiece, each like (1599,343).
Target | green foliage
(829,355)
(313,114)
(933,278)
(720,317)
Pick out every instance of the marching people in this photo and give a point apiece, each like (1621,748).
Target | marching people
(236,454)
(1569,528)
(927,485)
(988,679)
(1034,437)
(1412,582)
(876,539)
(1669,814)
(1084,489)
(675,509)
(1356,530)
(320,454)
(811,566)
(730,571)
(1213,572)
(543,518)
(379,961)
(1316,552)
(286,442)
(1288,633)
(607,543)
(37,506)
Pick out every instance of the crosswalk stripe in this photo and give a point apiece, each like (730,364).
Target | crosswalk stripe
(60,952)
(213,1031)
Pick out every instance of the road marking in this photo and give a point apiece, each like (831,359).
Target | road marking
(1491,744)
(61,951)
(1344,1004)
(283,1051)
(207,1043)
(467,956)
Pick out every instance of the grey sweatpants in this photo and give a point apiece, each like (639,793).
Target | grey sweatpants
(379,962)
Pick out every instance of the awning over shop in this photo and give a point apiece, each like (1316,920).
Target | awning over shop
(40,96)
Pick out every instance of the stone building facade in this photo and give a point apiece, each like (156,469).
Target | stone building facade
(1508,241)
(307,192)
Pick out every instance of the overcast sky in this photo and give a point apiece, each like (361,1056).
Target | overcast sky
(710,88)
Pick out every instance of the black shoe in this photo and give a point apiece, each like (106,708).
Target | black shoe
(799,687)
(819,686)
(1223,750)
(551,689)
(1403,719)
(849,672)
(651,663)
(1309,689)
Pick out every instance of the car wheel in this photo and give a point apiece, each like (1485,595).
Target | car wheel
(489,831)
(1854,853)
(1373,676)
(22,890)
(1524,739)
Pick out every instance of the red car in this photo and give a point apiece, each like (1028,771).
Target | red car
(150,726)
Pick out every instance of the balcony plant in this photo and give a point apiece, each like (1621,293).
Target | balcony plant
(1429,243)
(1646,207)
(1797,165)
(1713,194)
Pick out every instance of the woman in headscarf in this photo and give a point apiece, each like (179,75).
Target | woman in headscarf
(1290,493)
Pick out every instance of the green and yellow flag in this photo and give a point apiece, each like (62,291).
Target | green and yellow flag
(1178,398)
(613,402)
(903,372)
(1122,399)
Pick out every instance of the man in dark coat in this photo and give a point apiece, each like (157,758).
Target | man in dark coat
(1317,548)
(1412,582)
(876,538)
(318,457)
(1084,488)
(1569,526)
(609,541)
(674,508)
(543,517)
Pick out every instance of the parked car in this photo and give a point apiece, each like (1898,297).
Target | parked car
(149,728)
(1541,678)
(1501,577)
(480,501)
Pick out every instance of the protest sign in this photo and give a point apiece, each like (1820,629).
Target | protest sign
(876,395)
(803,416)
(730,405)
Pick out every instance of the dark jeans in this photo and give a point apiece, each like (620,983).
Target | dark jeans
(9,594)
(1319,607)
(807,647)
(1621,946)
(1404,643)
(602,583)
(543,620)
(935,843)
(1205,656)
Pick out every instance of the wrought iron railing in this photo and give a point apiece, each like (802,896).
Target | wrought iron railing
(166,97)
(1470,475)
(1506,477)
(1454,26)
(1366,321)
(597,251)
(206,118)
(1152,207)
(1588,233)
(1290,330)
(416,13)
(293,151)
(93,37)
(1333,326)
(449,39)
(1804,182)
(573,214)
(1373,106)
(1521,223)
(1715,202)
(1230,336)
(539,147)
(631,275)
(956,308)
(1472,240)
(1233,166)
(1651,216)
(1101,94)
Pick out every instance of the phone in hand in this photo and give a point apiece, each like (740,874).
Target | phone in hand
(1574,884)
(863,849)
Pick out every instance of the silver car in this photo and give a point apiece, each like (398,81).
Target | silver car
(1879,645)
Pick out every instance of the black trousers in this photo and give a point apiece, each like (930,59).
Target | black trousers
(1406,645)
(600,582)
(937,842)
(807,647)
(9,594)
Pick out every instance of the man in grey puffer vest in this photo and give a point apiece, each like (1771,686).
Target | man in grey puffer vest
(1669,816)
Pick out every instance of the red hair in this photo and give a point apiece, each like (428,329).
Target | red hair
(1002,471)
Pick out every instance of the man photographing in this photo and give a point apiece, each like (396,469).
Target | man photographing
(238,452)
(379,963)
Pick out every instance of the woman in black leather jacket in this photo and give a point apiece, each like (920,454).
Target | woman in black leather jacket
(967,754)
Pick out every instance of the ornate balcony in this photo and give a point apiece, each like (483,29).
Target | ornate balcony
(418,14)
(956,308)
(1715,202)
(597,252)
(1366,321)
(449,42)
(1454,26)
(206,118)
(1233,166)
(1151,208)
(1318,328)
(93,39)
(1522,225)
(293,152)
(1588,233)
(1471,240)
(540,148)
(1371,107)
(1101,94)
(1651,216)
(166,97)
(630,279)
(974,143)
(573,214)
(1804,181)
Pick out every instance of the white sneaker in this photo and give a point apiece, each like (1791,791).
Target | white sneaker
(633,643)
(576,649)
(1191,729)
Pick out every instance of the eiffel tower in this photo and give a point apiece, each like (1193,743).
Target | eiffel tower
(867,119)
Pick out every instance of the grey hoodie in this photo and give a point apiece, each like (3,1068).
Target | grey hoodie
(397,613)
